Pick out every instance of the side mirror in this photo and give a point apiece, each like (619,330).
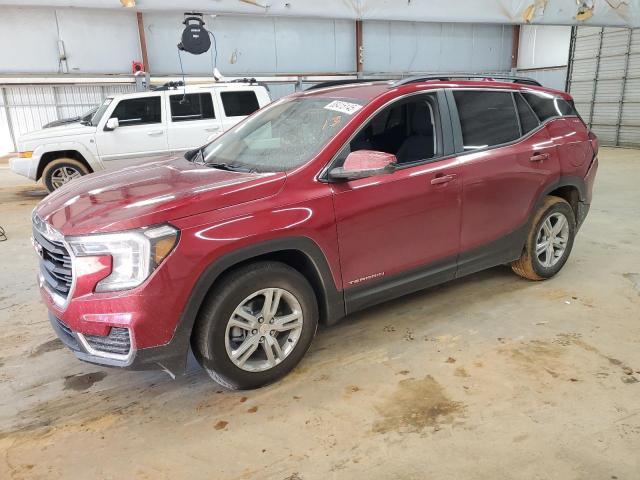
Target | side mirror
(112,124)
(364,163)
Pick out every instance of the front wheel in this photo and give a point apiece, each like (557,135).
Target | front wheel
(256,325)
(61,171)
(549,242)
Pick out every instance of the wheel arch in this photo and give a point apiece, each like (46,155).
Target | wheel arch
(568,188)
(300,253)
(48,157)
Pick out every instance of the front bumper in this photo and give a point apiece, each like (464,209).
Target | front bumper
(170,357)
(27,167)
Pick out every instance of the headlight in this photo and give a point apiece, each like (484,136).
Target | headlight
(135,254)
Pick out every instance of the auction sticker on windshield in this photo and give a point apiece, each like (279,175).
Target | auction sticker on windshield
(343,107)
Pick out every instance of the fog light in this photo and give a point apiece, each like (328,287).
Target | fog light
(110,318)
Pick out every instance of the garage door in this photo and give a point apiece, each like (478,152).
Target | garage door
(604,79)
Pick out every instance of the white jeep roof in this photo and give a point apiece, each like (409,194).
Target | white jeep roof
(194,88)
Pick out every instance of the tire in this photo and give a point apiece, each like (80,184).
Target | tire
(536,265)
(61,171)
(214,339)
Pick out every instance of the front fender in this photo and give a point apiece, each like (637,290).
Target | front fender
(89,155)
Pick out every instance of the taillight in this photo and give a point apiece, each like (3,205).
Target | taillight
(594,142)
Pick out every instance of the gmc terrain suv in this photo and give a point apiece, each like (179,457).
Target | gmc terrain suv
(318,205)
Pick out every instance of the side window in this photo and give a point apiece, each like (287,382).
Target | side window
(407,129)
(193,106)
(486,118)
(239,104)
(547,106)
(528,120)
(138,111)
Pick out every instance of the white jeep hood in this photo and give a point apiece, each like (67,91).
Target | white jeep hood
(54,133)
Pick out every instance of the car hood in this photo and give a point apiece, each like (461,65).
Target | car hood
(65,130)
(149,194)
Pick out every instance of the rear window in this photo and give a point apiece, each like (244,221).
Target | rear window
(486,118)
(547,106)
(239,104)
(193,106)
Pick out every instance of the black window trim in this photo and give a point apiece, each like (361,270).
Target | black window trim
(515,107)
(445,130)
(535,115)
(457,130)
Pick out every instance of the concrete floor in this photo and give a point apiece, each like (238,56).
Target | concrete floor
(487,377)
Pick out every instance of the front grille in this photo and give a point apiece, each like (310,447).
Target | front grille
(118,341)
(55,264)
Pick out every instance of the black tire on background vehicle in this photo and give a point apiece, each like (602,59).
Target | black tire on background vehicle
(62,170)
(549,241)
(259,308)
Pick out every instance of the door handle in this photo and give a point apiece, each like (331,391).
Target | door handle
(153,133)
(539,157)
(440,179)
(212,129)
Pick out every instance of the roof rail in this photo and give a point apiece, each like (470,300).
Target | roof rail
(348,81)
(467,76)
(168,86)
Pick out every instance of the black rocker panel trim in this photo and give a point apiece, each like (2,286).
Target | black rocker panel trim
(363,296)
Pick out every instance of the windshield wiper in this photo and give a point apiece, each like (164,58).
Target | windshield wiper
(231,167)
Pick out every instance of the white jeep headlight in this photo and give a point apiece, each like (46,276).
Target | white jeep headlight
(135,254)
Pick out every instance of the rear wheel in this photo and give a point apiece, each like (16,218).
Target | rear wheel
(256,325)
(61,171)
(549,242)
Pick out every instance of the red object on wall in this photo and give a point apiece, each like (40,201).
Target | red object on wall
(137,66)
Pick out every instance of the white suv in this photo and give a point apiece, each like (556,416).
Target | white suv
(134,128)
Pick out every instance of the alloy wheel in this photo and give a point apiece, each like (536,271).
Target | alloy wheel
(552,239)
(263,329)
(62,175)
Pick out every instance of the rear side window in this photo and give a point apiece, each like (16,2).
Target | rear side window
(486,118)
(239,104)
(193,106)
(528,120)
(547,106)
(138,111)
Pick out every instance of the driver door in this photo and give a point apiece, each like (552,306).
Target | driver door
(400,232)
(140,136)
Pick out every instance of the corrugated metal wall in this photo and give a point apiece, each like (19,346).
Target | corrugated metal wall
(27,108)
(604,79)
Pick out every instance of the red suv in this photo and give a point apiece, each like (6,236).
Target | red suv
(320,204)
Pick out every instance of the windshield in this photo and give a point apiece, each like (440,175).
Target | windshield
(282,136)
(100,112)
(88,115)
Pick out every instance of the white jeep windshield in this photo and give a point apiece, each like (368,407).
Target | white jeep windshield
(100,112)
(282,136)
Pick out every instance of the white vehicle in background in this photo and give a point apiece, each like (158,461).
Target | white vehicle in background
(133,128)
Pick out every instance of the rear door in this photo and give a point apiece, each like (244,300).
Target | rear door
(193,119)
(507,159)
(141,135)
